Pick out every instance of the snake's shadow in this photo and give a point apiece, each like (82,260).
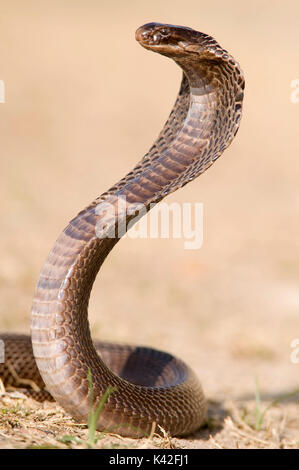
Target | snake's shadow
(217,412)
(214,423)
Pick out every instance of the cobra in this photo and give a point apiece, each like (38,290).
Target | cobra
(151,386)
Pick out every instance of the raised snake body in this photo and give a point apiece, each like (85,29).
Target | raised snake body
(151,386)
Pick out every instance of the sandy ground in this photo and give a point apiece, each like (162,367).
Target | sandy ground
(83,104)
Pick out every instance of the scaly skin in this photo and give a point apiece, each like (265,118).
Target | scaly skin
(151,386)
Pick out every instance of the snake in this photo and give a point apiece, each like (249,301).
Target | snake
(142,387)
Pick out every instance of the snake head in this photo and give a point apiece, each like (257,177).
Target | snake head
(178,42)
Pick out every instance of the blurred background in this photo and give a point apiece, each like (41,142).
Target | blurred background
(83,104)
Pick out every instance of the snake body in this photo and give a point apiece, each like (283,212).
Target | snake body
(151,386)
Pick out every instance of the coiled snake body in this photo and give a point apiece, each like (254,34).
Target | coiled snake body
(151,386)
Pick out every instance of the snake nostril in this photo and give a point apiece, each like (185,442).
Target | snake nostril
(142,34)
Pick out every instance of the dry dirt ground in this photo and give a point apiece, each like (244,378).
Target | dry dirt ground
(83,104)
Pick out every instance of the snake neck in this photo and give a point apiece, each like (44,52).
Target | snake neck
(203,122)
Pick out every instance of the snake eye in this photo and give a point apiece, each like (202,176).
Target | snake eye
(163,31)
